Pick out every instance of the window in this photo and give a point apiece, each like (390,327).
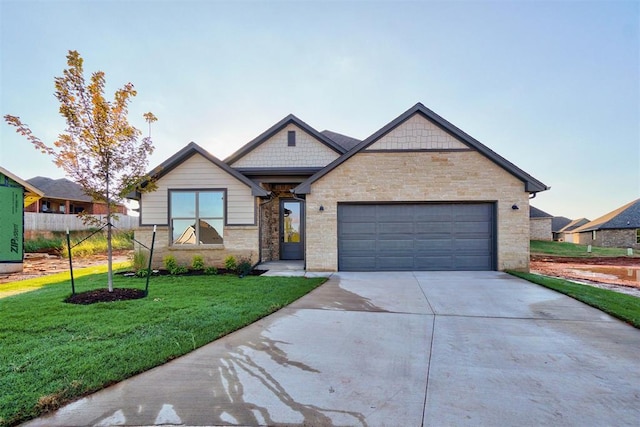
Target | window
(196,217)
(638,235)
(593,235)
(291,138)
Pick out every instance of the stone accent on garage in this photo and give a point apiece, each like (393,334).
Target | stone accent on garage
(456,176)
(239,241)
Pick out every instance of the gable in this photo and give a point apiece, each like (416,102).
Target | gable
(275,151)
(417,133)
(198,172)
(407,125)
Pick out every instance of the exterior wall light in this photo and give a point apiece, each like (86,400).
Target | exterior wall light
(321,208)
(515,207)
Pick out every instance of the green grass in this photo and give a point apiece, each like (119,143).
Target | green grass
(624,307)
(573,250)
(93,245)
(53,352)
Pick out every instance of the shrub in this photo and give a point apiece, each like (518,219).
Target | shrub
(142,272)
(230,263)
(244,266)
(197,263)
(170,263)
(139,261)
(211,271)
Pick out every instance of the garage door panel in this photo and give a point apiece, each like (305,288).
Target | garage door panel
(359,228)
(395,263)
(441,236)
(394,228)
(358,263)
(434,263)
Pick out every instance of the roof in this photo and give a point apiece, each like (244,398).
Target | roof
(573,225)
(627,216)
(62,189)
(538,213)
(344,141)
(191,149)
(290,119)
(558,223)
(31,193)
(532,185)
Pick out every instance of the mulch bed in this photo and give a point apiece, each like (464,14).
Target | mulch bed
(103,295)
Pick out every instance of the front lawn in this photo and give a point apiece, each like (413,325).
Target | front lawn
(52,352)
(624,307)
(566,249)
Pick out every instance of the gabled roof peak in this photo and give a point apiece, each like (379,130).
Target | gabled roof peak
(251,145)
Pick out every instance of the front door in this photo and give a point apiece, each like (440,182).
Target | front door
(291,229)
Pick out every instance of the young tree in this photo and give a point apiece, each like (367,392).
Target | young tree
(99,149)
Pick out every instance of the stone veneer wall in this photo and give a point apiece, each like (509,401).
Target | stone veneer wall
(239,241)
(541,229)
(418,176)
(270,220)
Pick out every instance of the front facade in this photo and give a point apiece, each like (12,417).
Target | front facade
(418,194)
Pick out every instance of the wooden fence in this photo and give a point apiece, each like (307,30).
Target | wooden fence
(61,222)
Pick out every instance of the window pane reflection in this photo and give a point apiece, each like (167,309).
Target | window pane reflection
(291,221)
(183,204)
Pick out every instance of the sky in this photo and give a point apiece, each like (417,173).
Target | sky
(554,87)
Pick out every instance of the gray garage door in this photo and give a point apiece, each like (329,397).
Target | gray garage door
(395,237)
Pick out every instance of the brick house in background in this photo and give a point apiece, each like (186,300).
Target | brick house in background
(540,224)
(62,196)
(418,194)
(617,229)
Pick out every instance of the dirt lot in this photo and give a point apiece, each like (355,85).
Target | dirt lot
(36,265)
(621,274)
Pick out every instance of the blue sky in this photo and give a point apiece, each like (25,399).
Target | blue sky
(552,86)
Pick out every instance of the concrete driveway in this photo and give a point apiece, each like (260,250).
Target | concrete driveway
(389,349)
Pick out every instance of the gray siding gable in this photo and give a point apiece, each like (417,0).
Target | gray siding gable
(193,148)
(266,135)
(532,185)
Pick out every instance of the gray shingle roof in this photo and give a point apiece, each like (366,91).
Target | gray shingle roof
(538,213)
(59,189)
(344,141)
(574,224)
(558,223)
(627,216)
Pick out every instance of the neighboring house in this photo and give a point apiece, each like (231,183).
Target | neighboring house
(617,229)
(540,224)
(63,196)
(565,234)
(557,224)
(418,194)
(15,194)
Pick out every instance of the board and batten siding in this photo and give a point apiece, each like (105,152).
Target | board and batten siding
(199,173)
(276,152)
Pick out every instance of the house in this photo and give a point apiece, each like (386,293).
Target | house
(63,196)
(540,224)
(565,234)
(418,194)
(619,228)
(15,194)
(557,224)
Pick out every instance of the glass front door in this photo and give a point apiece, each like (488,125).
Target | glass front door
(291,230)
